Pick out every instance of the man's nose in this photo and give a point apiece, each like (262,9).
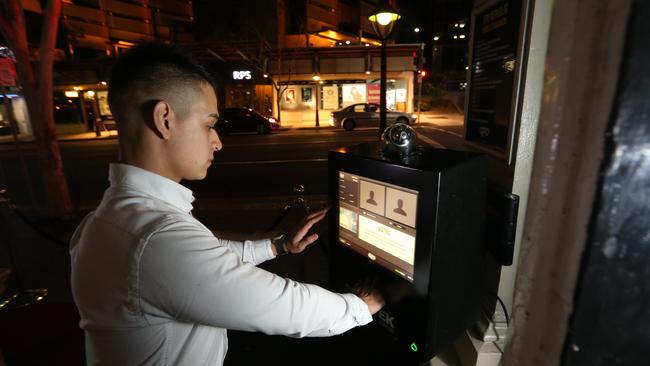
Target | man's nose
(216,143)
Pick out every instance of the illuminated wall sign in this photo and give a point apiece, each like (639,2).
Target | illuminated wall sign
(242,75)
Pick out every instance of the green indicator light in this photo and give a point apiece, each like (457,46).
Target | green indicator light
(414,347)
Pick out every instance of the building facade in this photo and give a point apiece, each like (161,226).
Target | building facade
(90,35)
(308,60)
(317,81)
(266,62)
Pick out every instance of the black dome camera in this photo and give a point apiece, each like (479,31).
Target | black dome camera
(399,141)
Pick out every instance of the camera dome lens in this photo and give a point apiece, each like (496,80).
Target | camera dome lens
(398,139)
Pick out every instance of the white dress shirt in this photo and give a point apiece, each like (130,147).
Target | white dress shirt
(154,286)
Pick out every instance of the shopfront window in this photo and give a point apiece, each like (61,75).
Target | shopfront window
(67,109)
(330,97)
(5,128)
(14,107)
(400,88)
(239,95)
(341,94)
(78,110)
(353,93)
(298,98)
(396,94)
(102,101)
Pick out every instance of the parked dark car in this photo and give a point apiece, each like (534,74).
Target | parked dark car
(244,120)
(366,115)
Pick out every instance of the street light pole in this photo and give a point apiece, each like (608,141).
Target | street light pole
(382,20)
(420,77)
(382,90)
(316,100)
(419,95)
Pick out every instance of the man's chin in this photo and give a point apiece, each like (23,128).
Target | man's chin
(197,176)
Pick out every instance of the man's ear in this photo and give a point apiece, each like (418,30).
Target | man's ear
(162,116)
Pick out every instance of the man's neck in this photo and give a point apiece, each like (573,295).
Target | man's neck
(149,159)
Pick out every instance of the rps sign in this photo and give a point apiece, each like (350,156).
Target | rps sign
(7,72)
(242,75)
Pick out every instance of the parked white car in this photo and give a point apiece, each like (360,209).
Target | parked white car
(366,115)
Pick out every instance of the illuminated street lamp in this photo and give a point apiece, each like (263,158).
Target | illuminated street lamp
(382,20)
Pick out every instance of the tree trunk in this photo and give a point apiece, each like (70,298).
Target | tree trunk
(38,89)
(54,180)
(277,103)
(280,92)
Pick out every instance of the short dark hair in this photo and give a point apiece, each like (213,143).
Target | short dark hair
(152,69)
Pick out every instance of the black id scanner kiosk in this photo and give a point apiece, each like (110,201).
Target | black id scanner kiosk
(411,226)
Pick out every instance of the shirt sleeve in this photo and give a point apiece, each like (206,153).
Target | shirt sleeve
(250,251)
(187,275)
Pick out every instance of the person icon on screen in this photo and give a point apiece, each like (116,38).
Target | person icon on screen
(371,200)
(399,209)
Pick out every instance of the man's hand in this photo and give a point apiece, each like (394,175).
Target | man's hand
(296,238)
(374,300)
(366,289)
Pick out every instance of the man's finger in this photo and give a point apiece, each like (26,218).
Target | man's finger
(317,216)
(319,212)
(303,230)
(307,225)
(307,241)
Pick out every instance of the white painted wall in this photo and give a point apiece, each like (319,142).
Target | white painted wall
(532,95)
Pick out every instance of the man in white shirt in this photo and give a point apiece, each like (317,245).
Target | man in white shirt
(152,284)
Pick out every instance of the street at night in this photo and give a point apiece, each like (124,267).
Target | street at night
(252,171)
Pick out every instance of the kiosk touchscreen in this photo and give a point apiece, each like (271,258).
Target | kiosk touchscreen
(377,220)
(414,231)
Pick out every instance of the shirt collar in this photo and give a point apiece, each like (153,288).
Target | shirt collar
(151,184)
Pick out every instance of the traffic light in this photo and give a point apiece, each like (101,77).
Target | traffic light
(418,59)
